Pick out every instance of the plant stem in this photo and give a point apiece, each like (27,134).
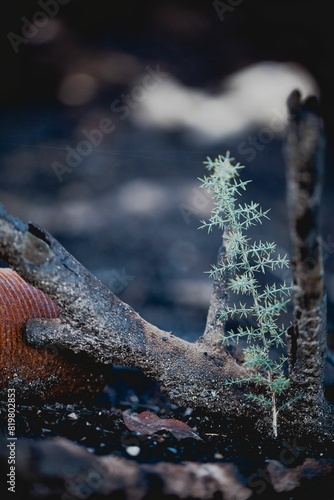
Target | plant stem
(275,412)
(270,380)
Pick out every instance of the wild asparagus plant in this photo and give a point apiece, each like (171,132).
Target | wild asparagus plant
(244,260)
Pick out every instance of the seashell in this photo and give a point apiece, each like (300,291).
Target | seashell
(41,374)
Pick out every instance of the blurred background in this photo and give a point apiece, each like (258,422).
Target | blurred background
(108,110)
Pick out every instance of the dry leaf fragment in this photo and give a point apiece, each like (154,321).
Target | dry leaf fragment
(149,423)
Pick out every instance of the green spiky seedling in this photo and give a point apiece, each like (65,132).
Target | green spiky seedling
(243,262)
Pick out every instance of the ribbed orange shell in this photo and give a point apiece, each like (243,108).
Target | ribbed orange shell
(36,373)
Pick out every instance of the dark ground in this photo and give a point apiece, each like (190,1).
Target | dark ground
(120,212)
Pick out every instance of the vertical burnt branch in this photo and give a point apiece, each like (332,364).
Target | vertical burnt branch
(304,158)
(214,330)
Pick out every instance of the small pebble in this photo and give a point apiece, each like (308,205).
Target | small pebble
(133,451)
(72,416)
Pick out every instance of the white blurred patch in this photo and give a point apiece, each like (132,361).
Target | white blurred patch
(254,96)
(143,196)
(196,292)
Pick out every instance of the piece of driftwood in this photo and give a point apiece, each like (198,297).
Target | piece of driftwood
(95,322)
